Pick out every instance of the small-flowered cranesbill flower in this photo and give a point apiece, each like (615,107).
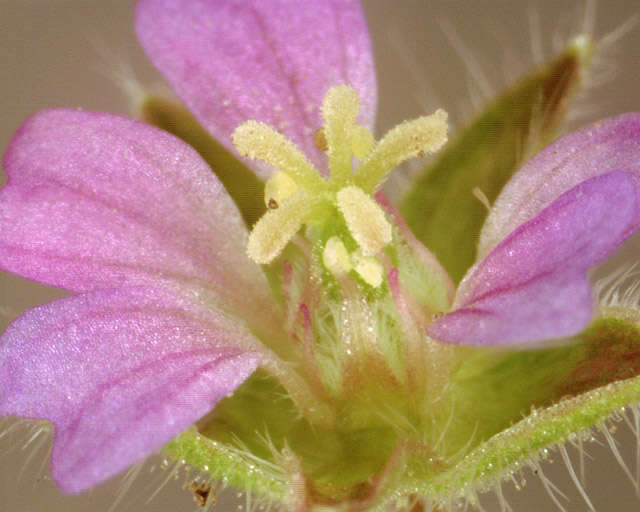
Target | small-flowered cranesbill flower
(306,346)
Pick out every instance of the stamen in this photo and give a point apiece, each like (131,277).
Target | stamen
(259,141)
(336,257)
(409,139)
(369,269)
(365,220)
(278,189)
(361,141)
(340,107)
(297,194)
(275,228)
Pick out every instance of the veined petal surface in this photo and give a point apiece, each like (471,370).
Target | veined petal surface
(533,286)
(118,373)
(270,61)
(98,201)
(597,149)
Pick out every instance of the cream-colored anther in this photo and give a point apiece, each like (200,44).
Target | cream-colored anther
(370,270)
(278,189)
(365,219)
(260,141)
(298,194)
(361,141)
(336,257)
(275,228)
(407,140)
(340,107)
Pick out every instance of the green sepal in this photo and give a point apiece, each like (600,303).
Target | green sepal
(244,187)
(504,408)
(255,440)
(440,206)
(227,465)
(237,442)
(259,410)
(515,447)
(507,408)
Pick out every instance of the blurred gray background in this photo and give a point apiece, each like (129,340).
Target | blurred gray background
(70,53)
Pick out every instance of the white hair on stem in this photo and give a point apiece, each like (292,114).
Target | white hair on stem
(480,88)
(117,68)
(40,439)
(32,437)
(127,481)
(616,453)
(636,421)
(620,288)
(574,477)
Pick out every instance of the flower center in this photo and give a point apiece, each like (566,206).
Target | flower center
(297,194)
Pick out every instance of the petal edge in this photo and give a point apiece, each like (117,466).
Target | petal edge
(533,285)
(118,373)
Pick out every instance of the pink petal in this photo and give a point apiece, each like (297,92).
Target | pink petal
(95,200)
(118,373)
(600,148)
(272,60)
(533,286)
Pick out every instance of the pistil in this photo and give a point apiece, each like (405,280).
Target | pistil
(297,194)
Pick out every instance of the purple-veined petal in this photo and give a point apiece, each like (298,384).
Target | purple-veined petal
(533,286)
(97,201)
(597,149)
(272,60)
(118,373)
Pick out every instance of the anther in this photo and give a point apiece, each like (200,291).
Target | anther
(365,219)
(297,194)
(407,140)
(260,141)
(278,189)
(275,228)
(336,257)
(369,269)
(340,108)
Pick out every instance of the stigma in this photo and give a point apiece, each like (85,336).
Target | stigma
(355,228)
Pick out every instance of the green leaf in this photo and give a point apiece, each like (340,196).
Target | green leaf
(244,187)
(440,207)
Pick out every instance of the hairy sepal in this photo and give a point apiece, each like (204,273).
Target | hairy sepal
(503,410)
(486,154)
(256,441)
(509,406)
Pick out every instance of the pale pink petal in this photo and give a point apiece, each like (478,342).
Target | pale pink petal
(118,373)
(600,148)
(533,286)
(95,200)
(271,60)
